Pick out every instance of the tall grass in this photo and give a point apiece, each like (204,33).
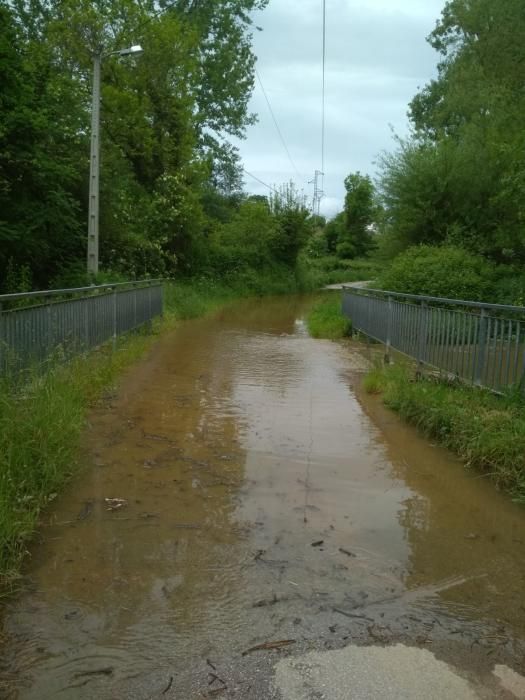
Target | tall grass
(41,418)
(190,298)
(326,319)
(333,270)
(486,431)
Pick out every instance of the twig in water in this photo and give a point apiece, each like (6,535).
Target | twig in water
(167,688)
(348,614)
(269,645)
(214,677)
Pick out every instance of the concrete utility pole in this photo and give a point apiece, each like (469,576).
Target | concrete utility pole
(94,171)
(94,165)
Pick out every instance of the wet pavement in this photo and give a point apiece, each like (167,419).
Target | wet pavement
(246,514)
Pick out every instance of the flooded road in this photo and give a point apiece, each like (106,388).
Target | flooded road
(240,490)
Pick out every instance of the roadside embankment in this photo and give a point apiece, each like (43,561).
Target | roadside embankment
(485,430)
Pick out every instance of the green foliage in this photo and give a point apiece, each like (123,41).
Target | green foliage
(17,278)
(460,177)
(291,217)
(360,213)
(349,234)
(40,425)
(326,320)
(375,381)
(486,431)
(442,272)
(331,270)
(510,286)
(259,235)
(200,296)
(334,232)
(165,118)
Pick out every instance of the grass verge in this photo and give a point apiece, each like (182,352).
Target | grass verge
(486,431)
(326,319)
(41,421)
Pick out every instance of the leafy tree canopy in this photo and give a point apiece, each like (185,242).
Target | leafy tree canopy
(460,177)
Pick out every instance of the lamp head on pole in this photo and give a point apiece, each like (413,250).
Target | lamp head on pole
(131,50)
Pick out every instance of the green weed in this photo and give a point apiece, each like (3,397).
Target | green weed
(41,419)
(486,431)
(326,320)
(333,270)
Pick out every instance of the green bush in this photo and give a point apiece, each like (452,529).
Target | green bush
(510,286)
(446,271)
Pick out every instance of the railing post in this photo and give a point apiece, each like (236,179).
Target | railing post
(482,342)
(2,341)
(389,323)
(49,338)
(85,305)
(114,308)
(423,329)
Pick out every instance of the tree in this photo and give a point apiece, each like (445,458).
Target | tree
(288,208)
(40,148)
(460,178)
(334,231)
(166,120)
(355,239)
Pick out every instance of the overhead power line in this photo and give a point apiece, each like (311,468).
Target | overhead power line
(324,85)
(318,181)
(259,180)
(277,125)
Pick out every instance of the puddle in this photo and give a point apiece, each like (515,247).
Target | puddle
(262,499)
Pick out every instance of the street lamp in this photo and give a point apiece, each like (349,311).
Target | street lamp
(94,166)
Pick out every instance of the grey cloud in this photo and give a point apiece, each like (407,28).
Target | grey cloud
(377,58)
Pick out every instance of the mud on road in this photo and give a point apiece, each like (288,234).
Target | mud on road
(240,491)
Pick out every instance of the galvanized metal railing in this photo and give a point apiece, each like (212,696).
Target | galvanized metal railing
(483,344)
(36,326)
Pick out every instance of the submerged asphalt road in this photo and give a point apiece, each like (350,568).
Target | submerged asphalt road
(249,525)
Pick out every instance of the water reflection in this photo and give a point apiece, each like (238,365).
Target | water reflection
(457,525)
(262,497)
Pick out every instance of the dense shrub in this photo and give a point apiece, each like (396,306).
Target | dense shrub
(446,271)
(510,286)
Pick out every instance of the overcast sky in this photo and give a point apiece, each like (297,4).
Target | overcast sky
(376,59)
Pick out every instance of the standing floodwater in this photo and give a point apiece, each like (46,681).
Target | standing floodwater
(239,491)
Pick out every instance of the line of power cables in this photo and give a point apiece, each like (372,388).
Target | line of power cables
(261,181)
(324,89)
(279,132)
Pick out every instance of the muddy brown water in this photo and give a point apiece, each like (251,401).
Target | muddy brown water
(265,498)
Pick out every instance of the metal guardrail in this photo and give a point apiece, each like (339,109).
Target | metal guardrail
(482,344)
(36,326)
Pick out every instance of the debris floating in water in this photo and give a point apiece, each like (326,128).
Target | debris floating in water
(115,503)
(269,645)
